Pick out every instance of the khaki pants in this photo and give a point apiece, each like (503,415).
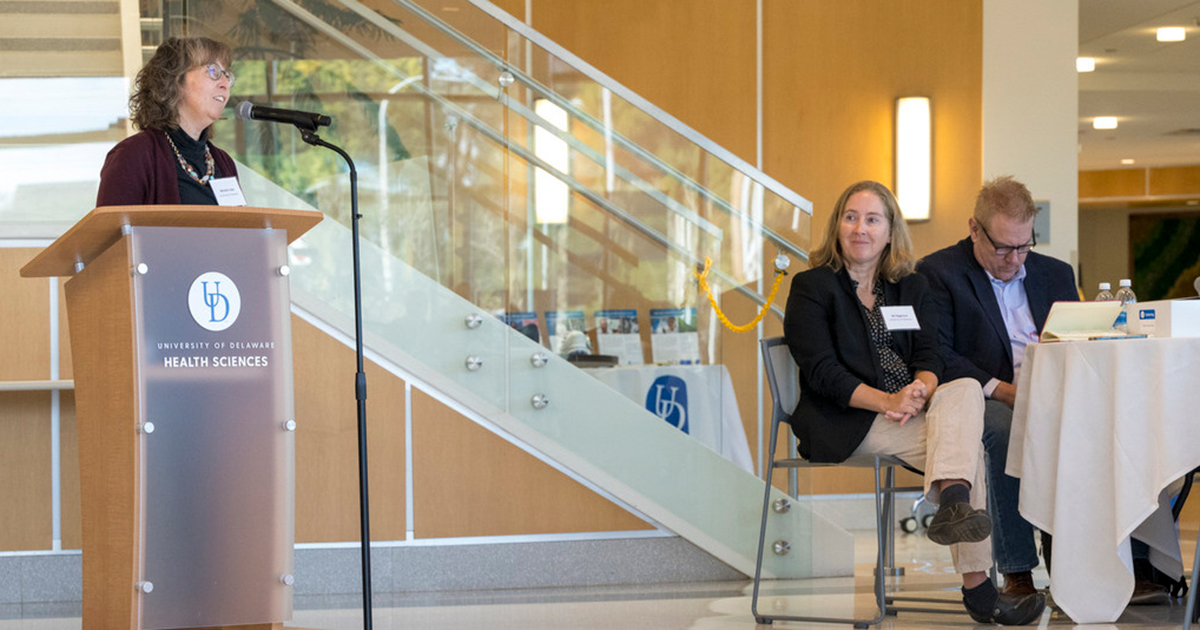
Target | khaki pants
(945,442)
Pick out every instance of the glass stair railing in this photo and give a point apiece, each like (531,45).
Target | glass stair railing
(511,384)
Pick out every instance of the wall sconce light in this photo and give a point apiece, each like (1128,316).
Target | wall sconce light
(1104,122)
(914,157)
(1170,34)
(551,196)
(1085,64)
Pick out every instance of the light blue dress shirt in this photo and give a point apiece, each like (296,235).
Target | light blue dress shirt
(1018,320)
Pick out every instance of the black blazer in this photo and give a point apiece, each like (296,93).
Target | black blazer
(829,337)
(973,338)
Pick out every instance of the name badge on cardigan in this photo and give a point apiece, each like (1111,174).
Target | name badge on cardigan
(900,318)
(228,192)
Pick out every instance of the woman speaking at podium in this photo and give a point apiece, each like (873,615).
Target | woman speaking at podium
(177,96)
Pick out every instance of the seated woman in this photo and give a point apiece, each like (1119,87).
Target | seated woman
(862,328)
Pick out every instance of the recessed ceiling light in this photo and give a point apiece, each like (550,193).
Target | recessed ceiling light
(1085,64)
(1127,161)
(1171,34)
(1104,122)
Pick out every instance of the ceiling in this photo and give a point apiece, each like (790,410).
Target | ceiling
(1152,88)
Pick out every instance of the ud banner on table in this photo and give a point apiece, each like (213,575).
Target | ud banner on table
(697,399)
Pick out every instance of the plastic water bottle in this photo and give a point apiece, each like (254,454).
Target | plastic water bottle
(1125,296)
(1105,294)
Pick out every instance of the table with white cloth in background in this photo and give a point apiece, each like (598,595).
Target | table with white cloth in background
(1100,429)
(698,399)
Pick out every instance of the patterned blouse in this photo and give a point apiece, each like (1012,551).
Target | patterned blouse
(896,374)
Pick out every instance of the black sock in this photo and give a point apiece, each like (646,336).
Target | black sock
(982,598)
(956,493)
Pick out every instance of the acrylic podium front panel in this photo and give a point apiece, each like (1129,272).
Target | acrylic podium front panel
(215,364)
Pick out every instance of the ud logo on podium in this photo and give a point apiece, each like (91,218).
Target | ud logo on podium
(214,301)
(667,399)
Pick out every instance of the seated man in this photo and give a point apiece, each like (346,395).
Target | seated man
(993,295)
(862,328)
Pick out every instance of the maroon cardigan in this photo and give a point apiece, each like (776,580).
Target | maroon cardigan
(140,170)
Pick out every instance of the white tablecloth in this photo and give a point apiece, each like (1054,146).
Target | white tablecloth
(1100,429)
(711,411)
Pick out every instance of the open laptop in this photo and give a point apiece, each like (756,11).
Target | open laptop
(1081,320)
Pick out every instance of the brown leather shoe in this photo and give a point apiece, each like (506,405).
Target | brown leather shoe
(958,522)
(1019,583)
(1147,593)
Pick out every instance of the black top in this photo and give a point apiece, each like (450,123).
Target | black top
(190,191)
(896,374)
(827,330)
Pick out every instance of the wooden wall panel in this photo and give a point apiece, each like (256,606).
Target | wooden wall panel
(25,510)
(72,529)
(1176,180)
(327,508)
(1127,182)
(469,482)
(65,369)
(24,416)
(1163,181)
(833,71)
(692,58)
(25,335)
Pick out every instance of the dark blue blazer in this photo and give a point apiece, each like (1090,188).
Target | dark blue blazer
(973,338)
(827,331)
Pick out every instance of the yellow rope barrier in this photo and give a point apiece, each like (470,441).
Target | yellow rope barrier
(702,277)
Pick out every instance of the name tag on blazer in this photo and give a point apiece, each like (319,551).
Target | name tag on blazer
(900,318)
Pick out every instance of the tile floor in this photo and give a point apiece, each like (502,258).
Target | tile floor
(694,606)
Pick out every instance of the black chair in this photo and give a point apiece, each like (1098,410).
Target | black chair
(1190,613)
(784,381)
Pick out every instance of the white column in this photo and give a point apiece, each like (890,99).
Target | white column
(1031,108)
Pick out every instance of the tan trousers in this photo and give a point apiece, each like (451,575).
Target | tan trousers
(946,442)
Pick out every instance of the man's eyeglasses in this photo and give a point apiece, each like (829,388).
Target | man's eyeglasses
(1004,250)
(215,72)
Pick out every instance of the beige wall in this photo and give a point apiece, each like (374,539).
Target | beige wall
(1103,248)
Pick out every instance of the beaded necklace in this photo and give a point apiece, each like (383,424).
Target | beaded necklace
(187,168)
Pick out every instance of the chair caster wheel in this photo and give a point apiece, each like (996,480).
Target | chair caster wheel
(926,520)
(908,525)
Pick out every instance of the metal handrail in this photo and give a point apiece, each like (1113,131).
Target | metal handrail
(36,386)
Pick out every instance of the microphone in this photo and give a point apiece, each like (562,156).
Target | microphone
(304,120)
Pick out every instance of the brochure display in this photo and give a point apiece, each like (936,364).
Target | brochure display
(673,337)
(617,335)
(181,342)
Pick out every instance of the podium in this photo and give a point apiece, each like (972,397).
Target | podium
(181,340)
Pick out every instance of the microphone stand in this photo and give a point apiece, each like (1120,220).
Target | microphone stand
(360,378)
